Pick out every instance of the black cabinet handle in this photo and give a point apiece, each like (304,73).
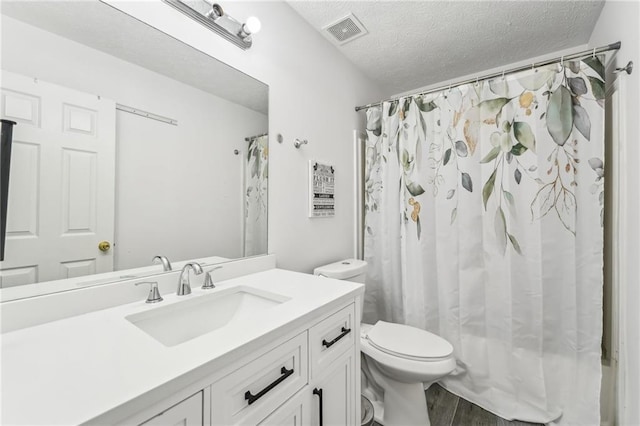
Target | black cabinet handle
(343,333)
(318,392)
(253,398)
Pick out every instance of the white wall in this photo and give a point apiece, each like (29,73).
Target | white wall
(313,90)
(173,183)
(619,21)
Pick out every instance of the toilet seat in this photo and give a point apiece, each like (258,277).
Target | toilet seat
(408,342)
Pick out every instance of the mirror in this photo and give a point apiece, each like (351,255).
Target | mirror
(129,144)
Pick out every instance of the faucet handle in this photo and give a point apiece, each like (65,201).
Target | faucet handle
(154,293)
(208,281)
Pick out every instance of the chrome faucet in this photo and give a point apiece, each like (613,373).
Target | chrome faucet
(184,287)
(166,265)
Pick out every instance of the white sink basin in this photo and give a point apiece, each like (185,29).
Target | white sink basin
(183,321)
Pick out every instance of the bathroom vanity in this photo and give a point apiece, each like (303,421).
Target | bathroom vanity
(272,347)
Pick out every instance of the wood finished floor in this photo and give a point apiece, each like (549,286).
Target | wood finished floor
(447,409)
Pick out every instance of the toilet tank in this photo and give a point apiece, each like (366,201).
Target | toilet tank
(349,269)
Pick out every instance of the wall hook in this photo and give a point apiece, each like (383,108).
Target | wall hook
(298,143)
(628,68)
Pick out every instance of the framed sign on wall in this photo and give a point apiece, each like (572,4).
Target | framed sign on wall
(321,190)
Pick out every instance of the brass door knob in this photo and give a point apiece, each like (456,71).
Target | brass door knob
(104,245)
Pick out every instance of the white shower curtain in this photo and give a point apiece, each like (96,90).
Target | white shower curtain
(255,196)
(484,225)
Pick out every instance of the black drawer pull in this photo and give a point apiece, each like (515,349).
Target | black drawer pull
(318,392)
(343,333)
(253,398)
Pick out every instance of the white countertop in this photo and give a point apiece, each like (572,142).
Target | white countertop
(91,367)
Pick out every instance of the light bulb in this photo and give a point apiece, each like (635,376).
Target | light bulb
(253,25)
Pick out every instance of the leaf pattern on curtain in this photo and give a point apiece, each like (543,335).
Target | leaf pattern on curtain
(483,224)
(256,188)
(538,111)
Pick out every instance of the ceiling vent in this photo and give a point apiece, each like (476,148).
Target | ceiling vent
(346,29)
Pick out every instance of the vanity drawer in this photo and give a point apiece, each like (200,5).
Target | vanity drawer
(331,337)
(250,393)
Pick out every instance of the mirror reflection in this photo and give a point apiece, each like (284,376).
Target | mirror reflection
(129,144)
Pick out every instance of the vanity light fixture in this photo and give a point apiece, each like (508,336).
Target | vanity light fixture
(212,16)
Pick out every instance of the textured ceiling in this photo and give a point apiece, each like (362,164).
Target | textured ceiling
(97,25)
(412,44)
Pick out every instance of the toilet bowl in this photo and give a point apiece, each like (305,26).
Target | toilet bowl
(403,361)
(399,361)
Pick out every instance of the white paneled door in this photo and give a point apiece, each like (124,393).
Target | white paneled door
(61,188)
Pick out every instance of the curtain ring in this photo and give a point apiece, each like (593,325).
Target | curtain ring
(477,80)
(594,53)
(562,61)
(502,74)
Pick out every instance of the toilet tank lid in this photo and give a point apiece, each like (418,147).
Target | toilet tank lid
(342,269)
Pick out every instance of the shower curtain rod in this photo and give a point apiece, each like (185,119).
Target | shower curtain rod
(613,46)
(250,138)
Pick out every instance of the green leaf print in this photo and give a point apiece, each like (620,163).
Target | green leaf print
(524,135)
(515,244)
(492,155)
(518,149)
(596,65)
(489,109)
(597,87)
(500,226)
(577,85)
(446,157)
(560,115)
(466,182)
(414,189)
(581,121)
(488,188)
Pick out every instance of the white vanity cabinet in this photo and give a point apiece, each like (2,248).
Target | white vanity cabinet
(252,392)
(333,378)
(305,380)
(291,383)
(189,412)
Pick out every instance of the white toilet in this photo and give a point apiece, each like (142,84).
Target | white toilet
(399,361)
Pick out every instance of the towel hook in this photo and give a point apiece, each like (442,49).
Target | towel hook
(298,143)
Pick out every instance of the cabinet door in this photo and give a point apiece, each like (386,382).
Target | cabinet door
(294,412)
(253,391)
(185,413)
(333,392)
